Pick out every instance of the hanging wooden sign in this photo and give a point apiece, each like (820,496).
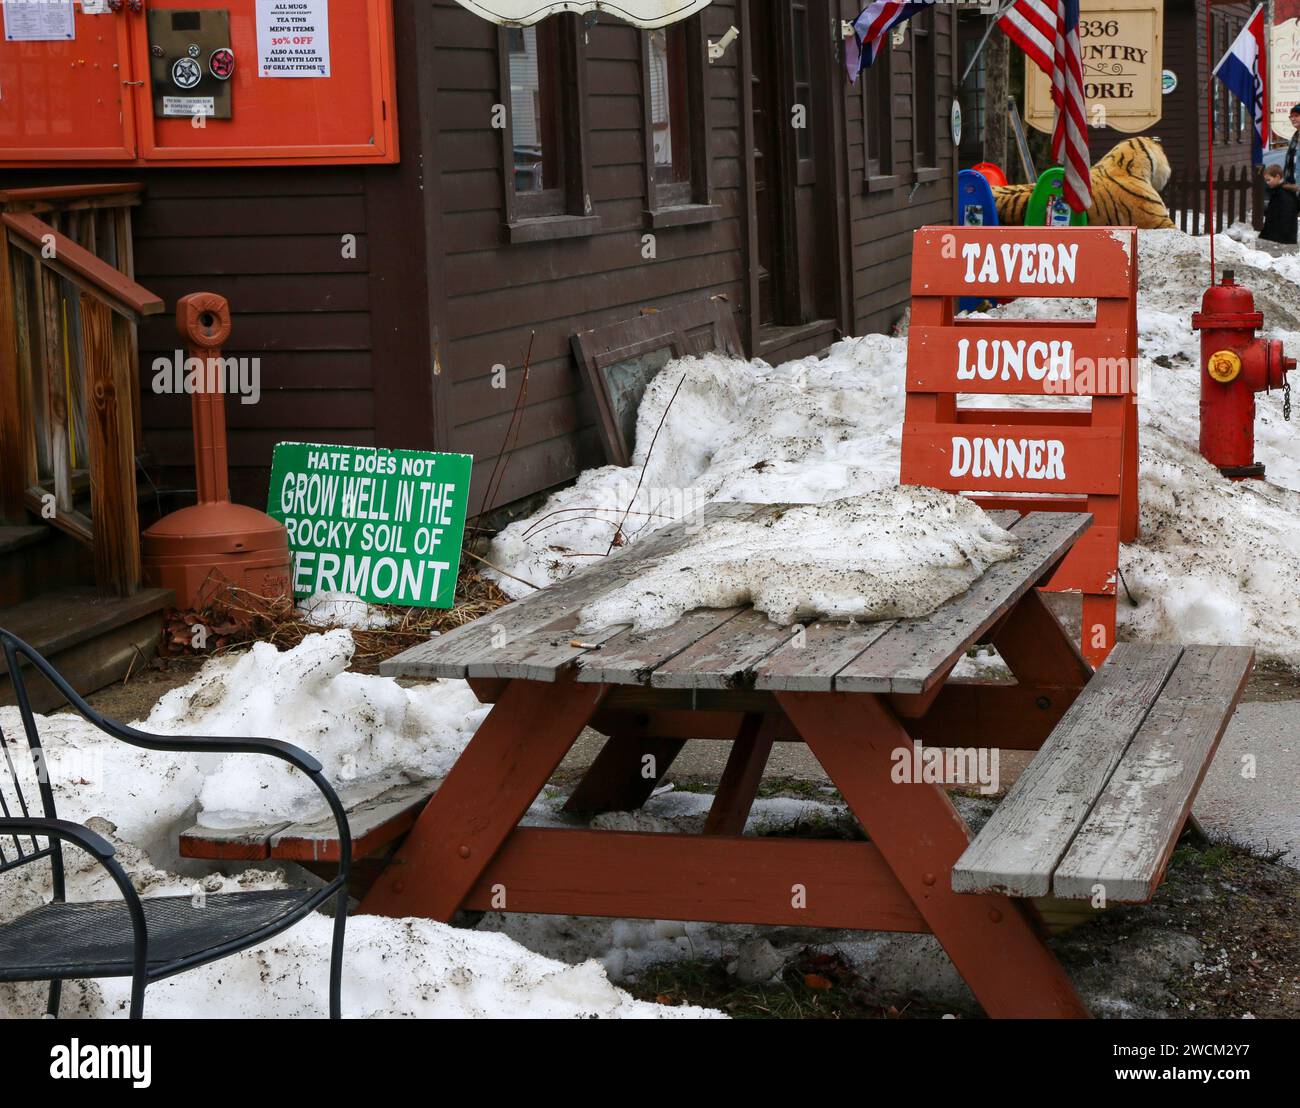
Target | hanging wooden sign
(1123,58)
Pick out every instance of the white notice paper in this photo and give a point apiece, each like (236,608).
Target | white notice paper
(39,20)
(189,105)
(293,38)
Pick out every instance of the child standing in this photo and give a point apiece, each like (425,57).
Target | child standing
(1279,209)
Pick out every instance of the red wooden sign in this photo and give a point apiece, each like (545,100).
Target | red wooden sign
(1041,453)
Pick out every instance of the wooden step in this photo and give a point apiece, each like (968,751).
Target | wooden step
(36,559)
(15,538)
(91,638)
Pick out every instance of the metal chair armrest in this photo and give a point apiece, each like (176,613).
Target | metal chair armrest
(275,748)
(93,844)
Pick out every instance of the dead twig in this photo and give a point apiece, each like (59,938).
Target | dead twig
(536,528)
(498,569)
(641,477)
(237,617)
(502,463)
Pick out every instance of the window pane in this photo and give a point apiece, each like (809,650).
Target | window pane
(535,106)
(670,116)
(799,21)
(877,113)
(925,101)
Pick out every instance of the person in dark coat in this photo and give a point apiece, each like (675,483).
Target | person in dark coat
(1283,205)
(1279,208)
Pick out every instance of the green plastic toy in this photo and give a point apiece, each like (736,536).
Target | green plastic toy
(1047,206)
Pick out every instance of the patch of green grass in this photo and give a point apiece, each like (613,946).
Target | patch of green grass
(798,787)
(1212,857)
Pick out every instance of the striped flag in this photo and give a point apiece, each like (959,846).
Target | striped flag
(871,30)
(1242,70)
(1048,32)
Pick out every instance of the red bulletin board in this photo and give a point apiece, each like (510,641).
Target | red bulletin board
(90,100)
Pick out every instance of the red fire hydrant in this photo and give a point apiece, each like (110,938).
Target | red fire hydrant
(1235,365)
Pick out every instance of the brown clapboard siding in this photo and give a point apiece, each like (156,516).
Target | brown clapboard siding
(398,345)
(271,242)
(502,295)
(882,222)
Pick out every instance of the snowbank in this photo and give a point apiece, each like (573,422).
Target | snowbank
(358,726)
(392,968)
(1217,562)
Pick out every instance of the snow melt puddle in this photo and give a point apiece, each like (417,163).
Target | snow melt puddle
(884,555)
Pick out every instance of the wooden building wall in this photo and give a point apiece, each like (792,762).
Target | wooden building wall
(1181,129)
(497,295)
(883,219)
(397,345)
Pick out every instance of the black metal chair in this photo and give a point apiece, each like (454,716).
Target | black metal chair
(150,939)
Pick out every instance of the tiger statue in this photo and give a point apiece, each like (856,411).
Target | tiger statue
(1126,186)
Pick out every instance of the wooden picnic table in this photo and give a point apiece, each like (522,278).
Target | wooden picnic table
(856,694)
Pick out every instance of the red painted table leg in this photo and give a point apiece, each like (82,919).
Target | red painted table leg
(499,774)
(990,939)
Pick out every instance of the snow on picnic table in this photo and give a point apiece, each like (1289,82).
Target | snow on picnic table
(1217,562)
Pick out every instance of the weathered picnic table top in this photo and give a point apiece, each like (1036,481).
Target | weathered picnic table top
(535,638)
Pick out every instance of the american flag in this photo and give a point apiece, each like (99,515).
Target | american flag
(871,30)
(1048,32)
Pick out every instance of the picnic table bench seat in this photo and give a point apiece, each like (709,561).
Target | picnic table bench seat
(380,812)
(1100,808)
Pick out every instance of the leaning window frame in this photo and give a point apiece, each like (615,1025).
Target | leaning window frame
(567,211)
(681,202)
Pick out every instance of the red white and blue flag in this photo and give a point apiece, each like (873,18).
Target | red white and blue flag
(1242,70)
(1048,32)
(872,27)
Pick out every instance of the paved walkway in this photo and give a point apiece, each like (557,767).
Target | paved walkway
(1262,812)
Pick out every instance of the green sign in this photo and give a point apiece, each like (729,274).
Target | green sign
(384,525)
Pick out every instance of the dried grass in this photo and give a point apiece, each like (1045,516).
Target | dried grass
(237,617)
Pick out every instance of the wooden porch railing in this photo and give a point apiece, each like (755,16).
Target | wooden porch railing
(69,374)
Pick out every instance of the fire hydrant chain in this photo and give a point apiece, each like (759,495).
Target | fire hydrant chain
(1286,400)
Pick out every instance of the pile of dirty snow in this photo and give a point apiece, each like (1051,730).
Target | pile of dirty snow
(392,969)
(1217,561)
(883,555)
(358,726)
